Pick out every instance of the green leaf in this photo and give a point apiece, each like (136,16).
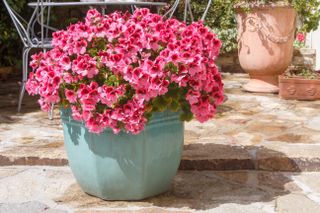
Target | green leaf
(174,106)
(186,116)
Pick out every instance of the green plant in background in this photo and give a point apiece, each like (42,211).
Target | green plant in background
(10,43)
(309,13)
(220,18)
(228,38)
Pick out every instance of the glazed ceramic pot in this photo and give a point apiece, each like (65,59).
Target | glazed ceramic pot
(265,44)
(125,166)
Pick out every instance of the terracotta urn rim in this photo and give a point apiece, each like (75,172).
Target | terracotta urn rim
(240,7)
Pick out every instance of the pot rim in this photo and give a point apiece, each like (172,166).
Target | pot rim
(261,6)
(283,79)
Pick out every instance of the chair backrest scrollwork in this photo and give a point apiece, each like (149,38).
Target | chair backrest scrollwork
(187,10)
(24,28)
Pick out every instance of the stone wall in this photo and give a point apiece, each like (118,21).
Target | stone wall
(301,57)
(304,57)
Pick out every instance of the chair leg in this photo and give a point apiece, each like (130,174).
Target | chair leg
(22,89)
(24,75)
(51,111)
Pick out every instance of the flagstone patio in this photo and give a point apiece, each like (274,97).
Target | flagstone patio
(260,154)
(251,131)
(53,189)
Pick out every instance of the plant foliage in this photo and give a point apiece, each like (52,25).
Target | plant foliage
(115,70)
(302,72)
(10,43)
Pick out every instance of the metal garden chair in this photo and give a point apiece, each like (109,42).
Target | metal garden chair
(187,10)
(26,31)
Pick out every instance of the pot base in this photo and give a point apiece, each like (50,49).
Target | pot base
(259,86)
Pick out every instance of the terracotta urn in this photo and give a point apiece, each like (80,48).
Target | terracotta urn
(265,44)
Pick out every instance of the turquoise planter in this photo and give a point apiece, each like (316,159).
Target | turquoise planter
(125,166)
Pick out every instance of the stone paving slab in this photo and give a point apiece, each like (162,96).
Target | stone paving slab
(251,131)
(53,189)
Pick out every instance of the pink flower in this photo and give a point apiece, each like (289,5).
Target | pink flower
(112,69)
(32,85)
(36,58)
(85,66)
(76,115)
(44,105)
(71,96)
(110,95)
(79,47)
(300,37)
(88,104)
(93,17)
(203,110)
(68,78)
(193,96)
(65,63)
(59,39)
(94,124)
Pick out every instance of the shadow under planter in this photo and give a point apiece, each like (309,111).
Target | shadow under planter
(207,189)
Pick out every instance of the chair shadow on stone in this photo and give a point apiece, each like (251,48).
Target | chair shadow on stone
(207,181)
(9,94)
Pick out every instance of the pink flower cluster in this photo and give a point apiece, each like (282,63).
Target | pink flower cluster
(110,68)
(300,37)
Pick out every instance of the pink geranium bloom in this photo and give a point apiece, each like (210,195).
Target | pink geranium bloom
(85,66)
(76,115)
(112,70)
(71,96)
(301,37)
